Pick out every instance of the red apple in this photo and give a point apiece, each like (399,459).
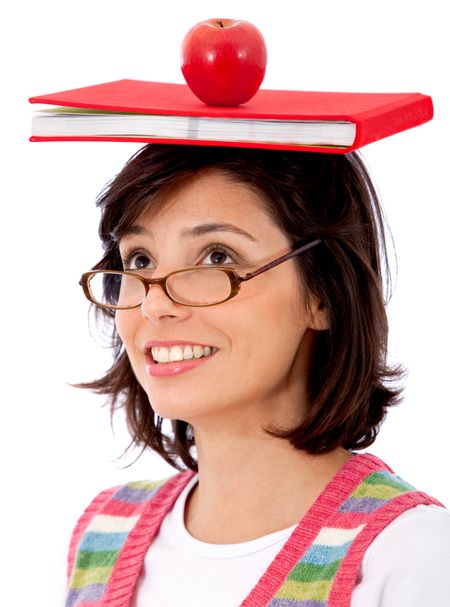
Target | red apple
(223,61)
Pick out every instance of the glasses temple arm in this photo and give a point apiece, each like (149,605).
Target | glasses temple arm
(276,262)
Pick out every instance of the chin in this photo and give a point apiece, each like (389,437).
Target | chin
(170,406)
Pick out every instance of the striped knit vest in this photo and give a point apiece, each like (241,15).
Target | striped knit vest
(317,566)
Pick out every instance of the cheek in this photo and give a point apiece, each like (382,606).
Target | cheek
(280,331)
(126,326)
(270,331)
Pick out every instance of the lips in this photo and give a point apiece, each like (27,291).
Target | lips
(174,357)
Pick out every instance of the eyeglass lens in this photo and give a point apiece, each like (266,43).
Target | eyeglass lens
(201,286)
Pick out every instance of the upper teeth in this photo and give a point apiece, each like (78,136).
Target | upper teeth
(165,355)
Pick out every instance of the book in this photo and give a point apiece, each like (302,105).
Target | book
(152,112)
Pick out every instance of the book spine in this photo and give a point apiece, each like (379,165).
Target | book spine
(372,126)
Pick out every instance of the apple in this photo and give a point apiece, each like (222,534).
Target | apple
(223,61)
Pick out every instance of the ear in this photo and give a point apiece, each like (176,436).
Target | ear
(318,315)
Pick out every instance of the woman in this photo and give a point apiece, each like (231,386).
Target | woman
(245,299)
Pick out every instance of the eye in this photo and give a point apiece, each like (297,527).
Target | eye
(219,255)
(136,260)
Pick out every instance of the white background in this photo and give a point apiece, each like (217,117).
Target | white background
(58,449)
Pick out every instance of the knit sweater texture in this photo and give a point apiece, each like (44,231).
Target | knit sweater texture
(317,566)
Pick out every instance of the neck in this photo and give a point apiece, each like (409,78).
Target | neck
(240,479)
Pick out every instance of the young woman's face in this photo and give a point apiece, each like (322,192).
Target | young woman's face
(260,340)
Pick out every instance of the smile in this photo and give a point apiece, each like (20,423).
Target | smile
(163,355)
(165,359)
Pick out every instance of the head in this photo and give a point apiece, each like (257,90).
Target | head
(321,314)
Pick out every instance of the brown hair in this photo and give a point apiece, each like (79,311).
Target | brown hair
(308,195)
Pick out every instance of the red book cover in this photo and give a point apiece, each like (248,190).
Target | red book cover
(375,115)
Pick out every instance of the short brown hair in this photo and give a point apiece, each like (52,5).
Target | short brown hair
(308,195)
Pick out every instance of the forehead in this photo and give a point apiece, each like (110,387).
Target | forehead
(211,197)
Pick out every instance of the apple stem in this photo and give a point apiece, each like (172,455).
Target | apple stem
(220,23)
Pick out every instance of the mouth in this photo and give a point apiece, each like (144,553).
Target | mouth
(172,358)
(161,355)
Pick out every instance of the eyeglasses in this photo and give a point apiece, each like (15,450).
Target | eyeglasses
(196,287)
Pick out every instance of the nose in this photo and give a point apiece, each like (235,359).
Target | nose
(158,307)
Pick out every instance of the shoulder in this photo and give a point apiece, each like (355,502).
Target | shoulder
(407,563)
(116,510)
(119,500)
(417,534)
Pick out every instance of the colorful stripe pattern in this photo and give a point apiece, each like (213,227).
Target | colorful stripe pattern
(317,566)
(309,583)
(102,541)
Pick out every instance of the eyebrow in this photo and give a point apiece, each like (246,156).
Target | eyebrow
(134,230)
(198,230)
(207,228)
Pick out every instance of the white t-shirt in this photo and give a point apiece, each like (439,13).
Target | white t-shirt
(407,565)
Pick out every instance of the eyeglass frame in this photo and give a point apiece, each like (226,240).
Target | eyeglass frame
(235,279)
